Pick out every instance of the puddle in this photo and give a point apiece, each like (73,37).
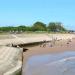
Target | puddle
(52,64)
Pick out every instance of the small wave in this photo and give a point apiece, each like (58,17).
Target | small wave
(62,60)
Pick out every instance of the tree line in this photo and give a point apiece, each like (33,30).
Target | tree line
(37,26)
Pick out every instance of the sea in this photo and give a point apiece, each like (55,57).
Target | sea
(51,64)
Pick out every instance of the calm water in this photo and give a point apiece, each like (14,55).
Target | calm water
(53,64)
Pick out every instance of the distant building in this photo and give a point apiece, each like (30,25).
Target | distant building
(71,31)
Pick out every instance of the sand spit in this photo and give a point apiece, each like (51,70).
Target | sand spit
(26,38)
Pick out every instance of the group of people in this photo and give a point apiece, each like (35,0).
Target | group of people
(50,43)
(53,42)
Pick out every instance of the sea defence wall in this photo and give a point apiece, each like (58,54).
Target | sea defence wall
(10,60)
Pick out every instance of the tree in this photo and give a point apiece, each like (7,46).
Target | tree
(39,26)
(52,27)
(60,26)
(56,27)
(21,28)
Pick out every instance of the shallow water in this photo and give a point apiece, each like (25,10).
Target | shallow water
(52,64)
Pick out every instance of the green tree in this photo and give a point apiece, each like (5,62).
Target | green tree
(52,27)
(39,26)
(60,26)
(21,28)
(56,27)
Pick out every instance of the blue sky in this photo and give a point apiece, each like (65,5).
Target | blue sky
(26,12)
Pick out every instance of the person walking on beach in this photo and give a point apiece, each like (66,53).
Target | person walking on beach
(44,45)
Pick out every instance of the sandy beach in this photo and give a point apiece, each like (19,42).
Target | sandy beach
(52,44)
(59,47)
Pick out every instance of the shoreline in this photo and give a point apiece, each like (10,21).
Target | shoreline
(60,43)
(37,50)
(57,48)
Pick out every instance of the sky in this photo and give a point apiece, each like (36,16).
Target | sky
(27,12)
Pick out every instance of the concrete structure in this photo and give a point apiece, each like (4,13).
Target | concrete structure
(10,60)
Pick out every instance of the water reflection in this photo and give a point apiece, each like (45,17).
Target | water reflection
(52,64)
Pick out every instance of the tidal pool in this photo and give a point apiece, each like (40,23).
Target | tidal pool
(51,64)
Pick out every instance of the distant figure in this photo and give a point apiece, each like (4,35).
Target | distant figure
(68,43)
(44,43)
(50,44)
(69,40)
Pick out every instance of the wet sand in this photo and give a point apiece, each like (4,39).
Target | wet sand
(60,46)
